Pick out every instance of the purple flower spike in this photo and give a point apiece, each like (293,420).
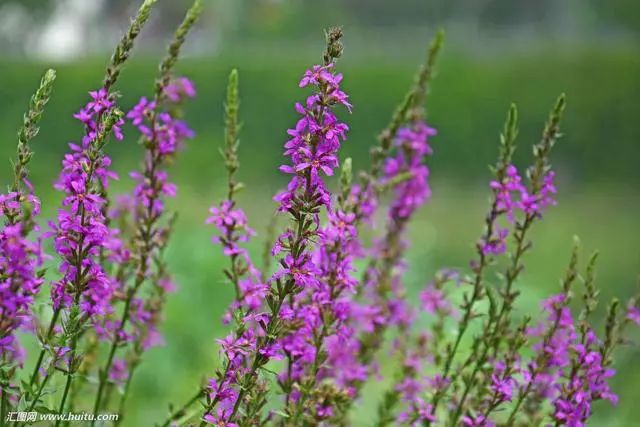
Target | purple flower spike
(80,227)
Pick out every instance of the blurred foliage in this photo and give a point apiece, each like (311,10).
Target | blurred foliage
(467,104)
(624,12)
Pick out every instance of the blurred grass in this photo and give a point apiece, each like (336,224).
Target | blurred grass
(597,162)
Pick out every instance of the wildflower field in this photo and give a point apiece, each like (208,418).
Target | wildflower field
(317,239)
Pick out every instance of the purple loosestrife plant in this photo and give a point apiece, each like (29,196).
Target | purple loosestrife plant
(322,311)
(250,290)
(335,365)
(491,245)
(531,203)
(81,296)
(162,135)
(312,150)
(261,336)
(20,254)
(385,304)
(303,341)
(231,222)
(317,275)
(80,231)
(84,291)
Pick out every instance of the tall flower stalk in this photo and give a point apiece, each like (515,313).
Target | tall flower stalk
(509,197)
(250,290)
(312,150)
(162,135)
(231,222)
(533,201)
(85,289)
(323,312)
(20,255)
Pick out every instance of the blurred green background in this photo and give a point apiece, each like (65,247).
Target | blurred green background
(497,52)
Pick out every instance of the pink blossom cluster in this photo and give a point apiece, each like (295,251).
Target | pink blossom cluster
(513,196)
(81,232)
(20,281)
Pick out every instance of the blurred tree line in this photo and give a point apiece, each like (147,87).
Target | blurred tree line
(28,27)
(467,104)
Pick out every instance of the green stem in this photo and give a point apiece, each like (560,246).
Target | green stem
(125,394)
(179,412)
(114,346)
(52,324)
(64,397)
(516,408)
(511,275)
(4,405)
(40,389)
(272,320)
(72,362)
(477,286)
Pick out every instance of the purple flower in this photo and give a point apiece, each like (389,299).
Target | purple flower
(505,190)
(119,371)
(633,314)
(229,221)
(420,412)
(512,195)
(585,382)
(233,229)
(365,201)
(366,320)
(477,421)
(301,269)
(341,227)
(164,135)
(220,418)
(315,139)
(409,388)
(221,391)
(235,346)
(318,161)
(20,282)
(320,74)
(497,243)
(412,191)
(342,352)
(547,191)
(101,101)
(141,112)
(502,386)
(433,300)
(179,89)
